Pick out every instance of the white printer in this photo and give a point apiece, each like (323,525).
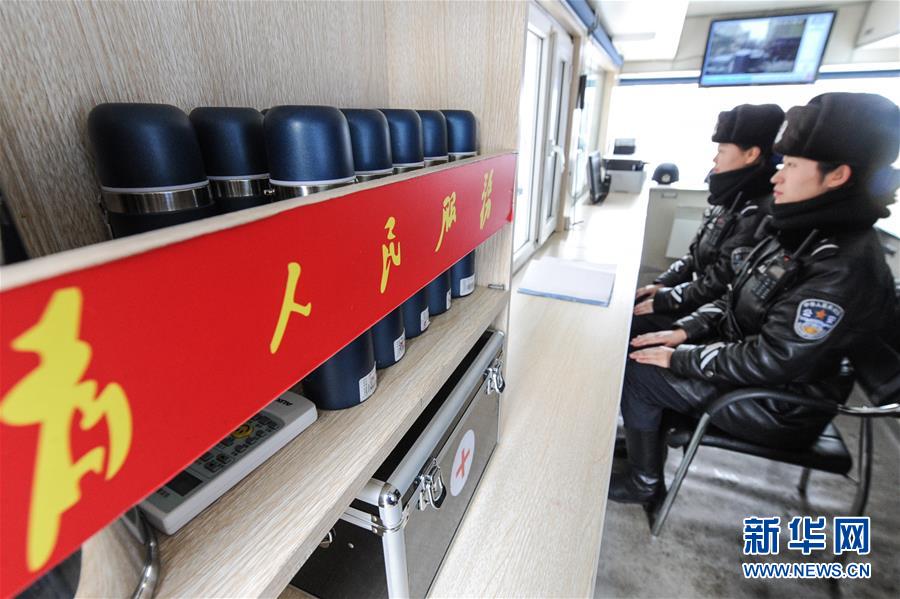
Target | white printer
(626,174)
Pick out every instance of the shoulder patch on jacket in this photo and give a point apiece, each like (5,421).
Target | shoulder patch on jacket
(816,318)
(738,256)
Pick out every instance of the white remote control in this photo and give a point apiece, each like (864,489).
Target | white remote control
(174,504)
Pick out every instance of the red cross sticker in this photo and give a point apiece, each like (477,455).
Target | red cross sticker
(464,457)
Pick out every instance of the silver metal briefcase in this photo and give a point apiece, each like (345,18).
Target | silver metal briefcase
(393,537)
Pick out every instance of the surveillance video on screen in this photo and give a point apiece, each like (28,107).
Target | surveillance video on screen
(766,50)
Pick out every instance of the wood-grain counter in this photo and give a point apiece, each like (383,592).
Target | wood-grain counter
(534,526)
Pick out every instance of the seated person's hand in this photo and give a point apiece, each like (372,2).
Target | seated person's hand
(645,307)
(657,356)
(672,338)
(647,291)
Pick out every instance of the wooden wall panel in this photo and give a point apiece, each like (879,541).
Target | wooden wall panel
(47,89)
(61,58)
(466,55)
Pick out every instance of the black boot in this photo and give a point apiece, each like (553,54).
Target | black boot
(620,450)
(643,482)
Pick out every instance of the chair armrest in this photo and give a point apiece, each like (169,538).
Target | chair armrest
(886,411)
(761,393)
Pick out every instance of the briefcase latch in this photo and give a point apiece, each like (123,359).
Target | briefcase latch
(433,489)
(494,375)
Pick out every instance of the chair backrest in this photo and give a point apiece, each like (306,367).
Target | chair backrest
(877,367)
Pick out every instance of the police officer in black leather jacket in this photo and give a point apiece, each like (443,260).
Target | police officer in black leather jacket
(805,298)
(740,192)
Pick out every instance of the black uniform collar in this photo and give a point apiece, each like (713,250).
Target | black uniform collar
(751,181)
(838,211)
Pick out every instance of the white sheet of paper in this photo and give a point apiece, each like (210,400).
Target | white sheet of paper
(572,280)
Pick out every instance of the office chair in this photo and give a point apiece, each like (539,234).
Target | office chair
(877,370)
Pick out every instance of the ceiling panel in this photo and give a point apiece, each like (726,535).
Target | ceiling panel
(706,8)
(647,30)
(644,29)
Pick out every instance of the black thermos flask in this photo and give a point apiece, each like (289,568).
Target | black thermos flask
(309,150)
(371,141)
(149,165)
(234,152)
(408,154)
(462,142)
(434,140)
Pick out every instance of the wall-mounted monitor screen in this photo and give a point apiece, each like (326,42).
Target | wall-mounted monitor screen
(766,50)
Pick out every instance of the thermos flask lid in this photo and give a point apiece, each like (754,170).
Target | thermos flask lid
(144,147)
(406,137)
(434,133)
(462,131)
(232,141)
(371,139)
(308,145)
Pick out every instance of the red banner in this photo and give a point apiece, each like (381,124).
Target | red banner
(107,371)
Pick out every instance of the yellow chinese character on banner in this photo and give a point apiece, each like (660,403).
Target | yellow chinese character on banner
(53,396)
(448,217)
(486,198)
(388,254)
(288,306)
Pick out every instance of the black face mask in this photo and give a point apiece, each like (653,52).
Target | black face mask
(838,210)
(751,181)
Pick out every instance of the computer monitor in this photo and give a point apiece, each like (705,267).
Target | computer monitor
(597,177)
(766,50)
